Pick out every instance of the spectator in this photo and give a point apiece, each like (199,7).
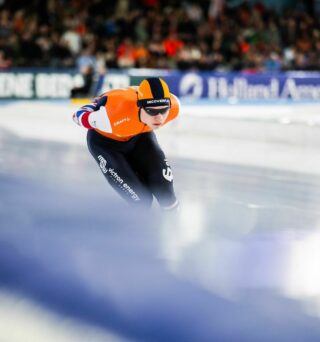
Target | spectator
(31,53)
(85,90)
(72,37)
(216,9)
(141,55)
(5,24)
(5,62)
(125,54)
(60,53)
(110,47)
(87,57)
(172,44)
(206,35)
(272,62)
(141,30)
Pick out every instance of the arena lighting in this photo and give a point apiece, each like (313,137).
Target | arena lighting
(302,279)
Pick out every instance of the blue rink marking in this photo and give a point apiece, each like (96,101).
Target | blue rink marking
(67,248)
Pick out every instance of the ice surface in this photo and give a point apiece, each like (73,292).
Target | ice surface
(240,261)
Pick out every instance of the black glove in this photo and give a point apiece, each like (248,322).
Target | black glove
(100,101)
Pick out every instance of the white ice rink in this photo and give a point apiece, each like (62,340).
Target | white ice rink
(281,136)
(240,262)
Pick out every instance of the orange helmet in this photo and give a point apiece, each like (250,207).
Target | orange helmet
(153,92)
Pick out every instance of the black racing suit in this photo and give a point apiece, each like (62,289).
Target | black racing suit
(137,169)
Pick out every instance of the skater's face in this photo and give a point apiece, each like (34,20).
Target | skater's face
(154,117)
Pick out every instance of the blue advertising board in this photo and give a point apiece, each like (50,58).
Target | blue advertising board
(241,86)
(48,84)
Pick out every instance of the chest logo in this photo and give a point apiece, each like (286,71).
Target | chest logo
(119,122)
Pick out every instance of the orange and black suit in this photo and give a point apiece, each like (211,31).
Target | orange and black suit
(126,149)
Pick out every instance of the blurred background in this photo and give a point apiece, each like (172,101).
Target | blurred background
(240,261)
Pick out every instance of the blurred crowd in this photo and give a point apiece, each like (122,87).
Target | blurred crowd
(183,35)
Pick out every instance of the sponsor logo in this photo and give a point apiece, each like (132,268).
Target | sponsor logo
(133,195)
(265,87)
(117,179)
(167,173)
(115,176)
(121,121)
(102,164)
(156,101)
